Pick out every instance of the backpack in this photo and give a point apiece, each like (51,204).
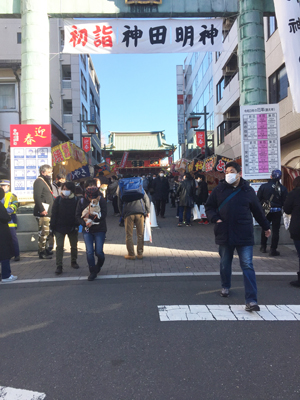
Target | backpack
(131,189)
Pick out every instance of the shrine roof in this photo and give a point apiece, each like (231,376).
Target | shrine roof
(128,141)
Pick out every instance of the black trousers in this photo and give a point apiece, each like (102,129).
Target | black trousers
(115,204)
(160,207)
(275,219)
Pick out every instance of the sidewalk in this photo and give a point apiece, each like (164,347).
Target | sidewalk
(174,250)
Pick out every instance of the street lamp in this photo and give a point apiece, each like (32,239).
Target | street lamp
(195,117)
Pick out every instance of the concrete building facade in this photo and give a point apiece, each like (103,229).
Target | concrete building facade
(226,95)
(74,87)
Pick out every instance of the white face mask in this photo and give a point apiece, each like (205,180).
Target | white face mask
(231,178)
(161,175)
(66,193)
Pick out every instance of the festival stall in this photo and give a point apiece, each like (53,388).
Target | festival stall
(68,158)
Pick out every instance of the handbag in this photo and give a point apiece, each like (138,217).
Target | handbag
(147,231)
(266,205)
(286,220)
(196,213)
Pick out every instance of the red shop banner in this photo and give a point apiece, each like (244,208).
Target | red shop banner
(86,144)
(200,138)
(30,135)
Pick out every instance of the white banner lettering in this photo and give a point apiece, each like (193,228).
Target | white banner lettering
(119,36)
(288,19)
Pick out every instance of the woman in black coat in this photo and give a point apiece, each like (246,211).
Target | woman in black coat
(292,206)
(6,248)
(187,193)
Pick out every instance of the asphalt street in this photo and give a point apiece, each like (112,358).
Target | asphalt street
(103,340)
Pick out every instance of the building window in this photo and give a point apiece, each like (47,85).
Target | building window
(67,106)
(82,56)
(272,25)
(19,37)
(218,53)
(84,114)
(71,136)
(7,96)
(278,85)
(92,99)
(83,86)
(220,90)
(66,72)
(220,133)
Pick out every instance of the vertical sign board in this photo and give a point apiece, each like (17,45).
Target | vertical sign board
(260,138)
(86,144)
(30,147)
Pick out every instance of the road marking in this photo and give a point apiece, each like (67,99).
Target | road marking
(290,312)
(146,275)
(8,393)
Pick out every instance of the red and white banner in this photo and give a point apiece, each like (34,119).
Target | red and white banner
(30,149)
(86,144)
(200,138)
(170,160)
(288,19)
(124,159)
(125,36)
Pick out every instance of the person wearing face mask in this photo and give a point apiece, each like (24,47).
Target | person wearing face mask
(201,194)
(57,184)
(63,223)
(230,207)
(43,199)
(93,235)
(160,193)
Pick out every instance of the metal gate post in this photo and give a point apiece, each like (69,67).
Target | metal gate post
(35,77)
(251,53)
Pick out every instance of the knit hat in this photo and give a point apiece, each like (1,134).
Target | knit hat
(4,182)
(92,192)
(276,174)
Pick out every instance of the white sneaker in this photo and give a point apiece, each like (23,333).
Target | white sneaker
(10,279)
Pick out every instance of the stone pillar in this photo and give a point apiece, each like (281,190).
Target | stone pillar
(251,53)
(35,77)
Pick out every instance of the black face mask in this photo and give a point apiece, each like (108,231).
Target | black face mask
(47,178)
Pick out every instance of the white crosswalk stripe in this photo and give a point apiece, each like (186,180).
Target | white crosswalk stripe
(290,312)
(9,393)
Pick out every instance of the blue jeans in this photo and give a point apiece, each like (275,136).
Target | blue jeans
(245,254)
(188,213)
(5,268)
(89,239)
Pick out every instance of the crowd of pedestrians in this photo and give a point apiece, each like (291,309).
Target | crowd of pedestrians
(63,209)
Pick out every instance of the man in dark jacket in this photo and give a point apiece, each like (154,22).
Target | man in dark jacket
(230,206)
(275,192)
(63,223)
(187,193)
(134,213)
(161,189)
(93,233)
(43,199)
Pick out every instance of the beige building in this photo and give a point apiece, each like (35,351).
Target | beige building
(74,88)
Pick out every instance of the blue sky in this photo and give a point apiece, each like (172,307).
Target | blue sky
(138,92)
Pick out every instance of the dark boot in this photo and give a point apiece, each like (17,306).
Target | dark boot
(93,273)
(297,282)
(49,251)
(59,270)
(274,253)
(263,249)
(74,265)
(43,255)
(99,265)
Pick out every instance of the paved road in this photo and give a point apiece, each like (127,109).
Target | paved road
(103,340)
(174,250)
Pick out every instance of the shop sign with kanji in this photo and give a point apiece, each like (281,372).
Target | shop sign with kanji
(221,163)
(200,138)
(30,135)
(125,36)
